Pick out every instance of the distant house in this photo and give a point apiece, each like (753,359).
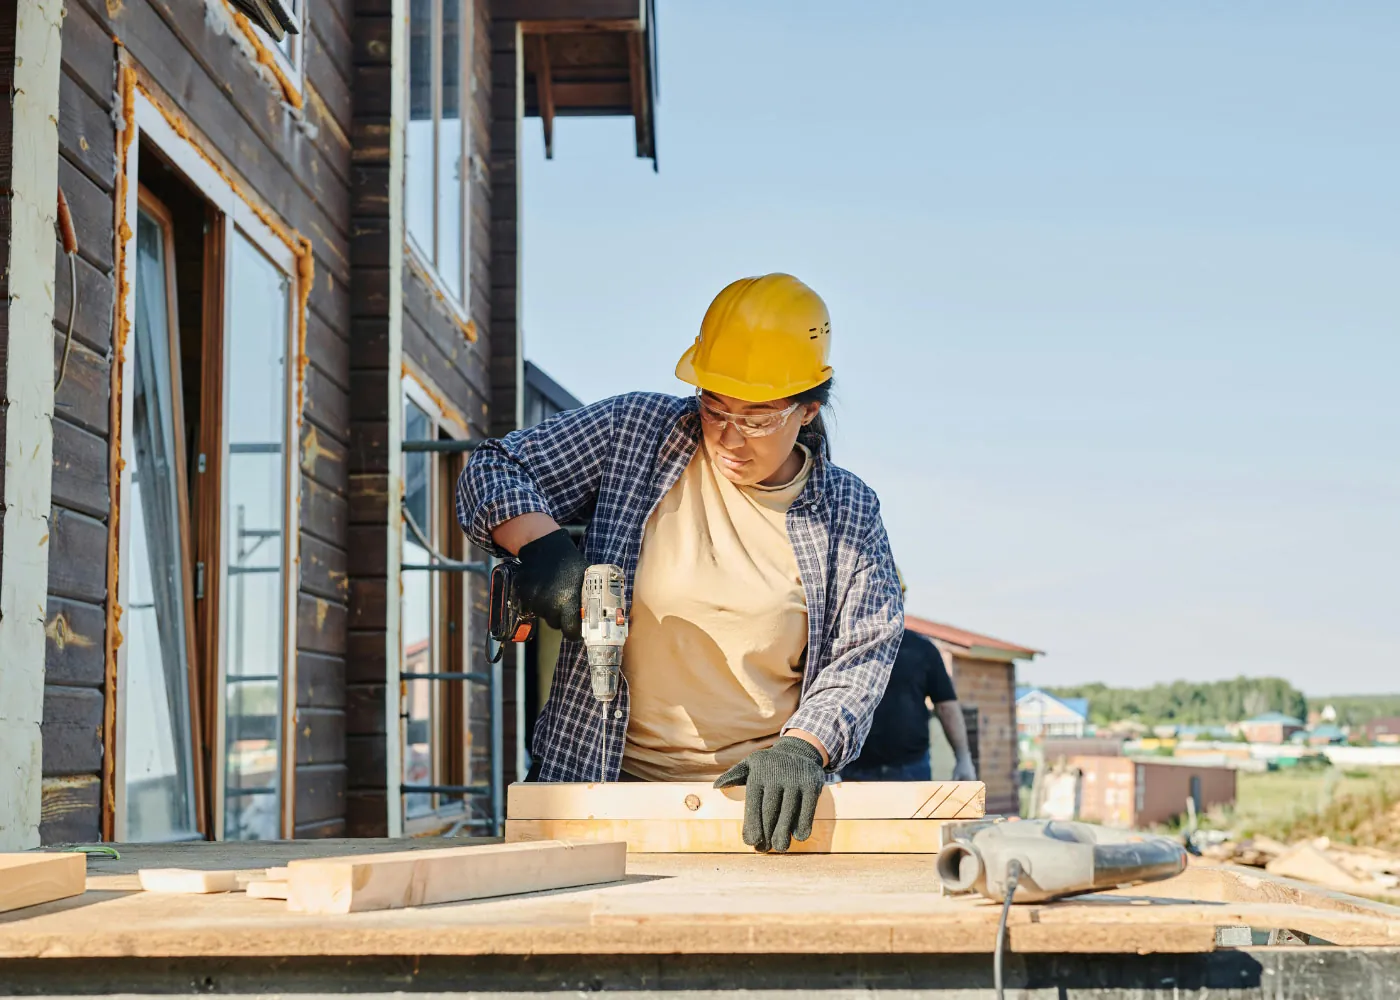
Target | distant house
(984,672)
(1039,713)
(1271,727)
(1323,735)
(1385,730)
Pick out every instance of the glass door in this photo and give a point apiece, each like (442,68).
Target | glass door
(161,783)
(255,524)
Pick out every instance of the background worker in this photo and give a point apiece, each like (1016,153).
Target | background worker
(765,606)
(897,748)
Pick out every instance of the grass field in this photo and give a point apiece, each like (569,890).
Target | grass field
(1350,806)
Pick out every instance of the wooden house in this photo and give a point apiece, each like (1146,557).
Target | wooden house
(293,303)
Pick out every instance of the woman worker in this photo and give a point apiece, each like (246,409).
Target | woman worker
(765,610)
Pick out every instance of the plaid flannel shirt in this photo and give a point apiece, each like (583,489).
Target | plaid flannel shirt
(615,461)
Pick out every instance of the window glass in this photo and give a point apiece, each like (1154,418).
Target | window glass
(256,385)
(416,617)
(450,172)
(157,750)
(418,166)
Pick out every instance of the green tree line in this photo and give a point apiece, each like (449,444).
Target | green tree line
(1190,704)
(1359,709)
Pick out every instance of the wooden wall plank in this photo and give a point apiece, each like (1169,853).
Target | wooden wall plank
(93,327)
(320,625)
(74,643)
(324,512)
(90,54)
(364,708)
(79,469)
(83,397)
(85,133)
(72,731)
(320,680)
(320,793)
(71,811)
(77,556)
(91,208)
(320,736)
(323,571)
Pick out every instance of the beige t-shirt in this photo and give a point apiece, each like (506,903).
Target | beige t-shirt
(719,623)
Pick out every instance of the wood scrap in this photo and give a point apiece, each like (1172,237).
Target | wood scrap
(416,878)
(276,875)
(32,878)
(1307,864)
(190,881)
(692,800)
(268,890)
(726,836)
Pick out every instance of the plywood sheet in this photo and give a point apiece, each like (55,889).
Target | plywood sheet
(687,800)
(726,836)
(28,879)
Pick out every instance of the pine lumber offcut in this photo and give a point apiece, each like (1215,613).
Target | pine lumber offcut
(416,878)
(692,800)
(726,836)
(32,878)
(268,890)
(190,881)
(1307,864)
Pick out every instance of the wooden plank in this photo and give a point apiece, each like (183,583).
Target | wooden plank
(697,800)
(89,53)
(28,879)
(364,708)
(323,569)
(85,133)
(72,731)
(324,459)
(95,297)
(268,890)
(77,556)
(79,469)
(320,736)
(320,680)
(82,399)
(418,878)
(73,652)
(323,511)
(71,811)
(726,836)
(187,881)
(320,793)
(92,215)
(320,625)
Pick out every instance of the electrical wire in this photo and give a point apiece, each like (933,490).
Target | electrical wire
(1013,876)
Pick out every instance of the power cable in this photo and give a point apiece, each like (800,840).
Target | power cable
(70,247)
(1013,876)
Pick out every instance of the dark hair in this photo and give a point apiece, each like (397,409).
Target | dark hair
(814,434)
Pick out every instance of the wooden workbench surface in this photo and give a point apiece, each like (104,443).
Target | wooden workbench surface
(669,904)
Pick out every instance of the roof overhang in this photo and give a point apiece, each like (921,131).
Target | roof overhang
(588,58)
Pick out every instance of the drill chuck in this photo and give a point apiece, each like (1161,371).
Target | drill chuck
(604,628)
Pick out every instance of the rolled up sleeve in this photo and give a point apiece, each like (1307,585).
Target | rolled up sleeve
(553,468)
(841,700)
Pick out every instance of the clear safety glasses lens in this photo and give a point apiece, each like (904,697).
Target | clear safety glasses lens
(749,424)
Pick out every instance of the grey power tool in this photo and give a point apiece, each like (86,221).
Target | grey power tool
(1031,861)
(604,628)
(1055,858)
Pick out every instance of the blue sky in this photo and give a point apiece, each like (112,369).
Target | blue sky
(1115,294)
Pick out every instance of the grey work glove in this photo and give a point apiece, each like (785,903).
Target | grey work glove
(781,787)
(551,582)
(963,769)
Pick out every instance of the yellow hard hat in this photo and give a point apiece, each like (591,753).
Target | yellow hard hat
(762,338)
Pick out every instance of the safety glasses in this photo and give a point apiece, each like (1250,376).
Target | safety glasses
(748,424)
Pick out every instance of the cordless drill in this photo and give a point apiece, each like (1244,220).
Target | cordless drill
(601,610)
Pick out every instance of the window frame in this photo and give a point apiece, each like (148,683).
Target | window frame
(293,65)
(235,217)
(148,203)
(425,259)
(451,651)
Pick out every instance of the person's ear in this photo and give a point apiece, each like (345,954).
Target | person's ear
(809,412)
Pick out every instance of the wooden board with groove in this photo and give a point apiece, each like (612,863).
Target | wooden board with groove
(692,800)
(29,879)
(726,836)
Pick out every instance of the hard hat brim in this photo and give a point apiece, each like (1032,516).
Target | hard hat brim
(749,392)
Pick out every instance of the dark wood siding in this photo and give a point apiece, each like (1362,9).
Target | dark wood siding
(372,386)
(297,164)
(75,672)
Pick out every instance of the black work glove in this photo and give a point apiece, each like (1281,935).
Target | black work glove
(550,583)
(781,787)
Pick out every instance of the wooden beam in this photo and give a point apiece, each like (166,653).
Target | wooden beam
(32,49)
(592,94)
(29,879)
(726,836)
(581,26)
(568,10)
(544,90)
(636,78)
(699,800)
(187,881)
(417,878)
